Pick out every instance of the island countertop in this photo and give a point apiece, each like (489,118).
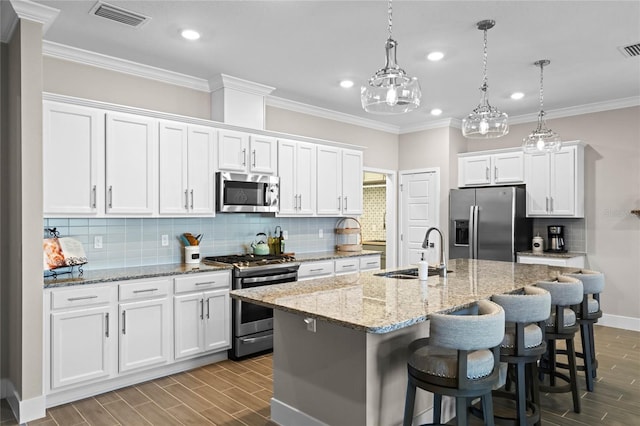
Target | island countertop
(376,304)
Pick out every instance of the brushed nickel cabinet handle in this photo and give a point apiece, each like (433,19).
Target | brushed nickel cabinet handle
(339,203)
(486,173)
(145,290)
(124,322)
(547,204)
(201,308)
(345,204)
(495,173)
(110,196)
(106,319)
(186,199)
(73,299)
(254,157)
(192,199)
(208,308)
(244,156)
(205,283)
(95,196)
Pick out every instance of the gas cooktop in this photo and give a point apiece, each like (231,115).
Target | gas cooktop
(250,260)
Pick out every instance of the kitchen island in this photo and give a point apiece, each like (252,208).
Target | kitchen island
(340,343)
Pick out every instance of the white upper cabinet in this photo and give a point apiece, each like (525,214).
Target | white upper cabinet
(245,153)
(131,164)
(73,160)
(186,169)
(339,181)
(555,182)
(505,167)
(297,172)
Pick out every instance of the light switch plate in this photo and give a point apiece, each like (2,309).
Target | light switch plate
(165,240)
(320,233)
(97,241)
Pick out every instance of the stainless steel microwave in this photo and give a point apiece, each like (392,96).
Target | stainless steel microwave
(243,193)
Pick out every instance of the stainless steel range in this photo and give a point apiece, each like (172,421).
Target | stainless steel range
(252,325)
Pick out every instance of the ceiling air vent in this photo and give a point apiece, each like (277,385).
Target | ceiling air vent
(118,14)
(631,50)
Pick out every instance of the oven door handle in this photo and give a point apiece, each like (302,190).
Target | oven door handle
(255,339)
(270,278)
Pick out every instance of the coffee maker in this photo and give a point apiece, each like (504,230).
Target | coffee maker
(556,238)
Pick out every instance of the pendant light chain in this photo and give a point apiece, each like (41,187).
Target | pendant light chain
(484,64)
(390,11)
(541,88)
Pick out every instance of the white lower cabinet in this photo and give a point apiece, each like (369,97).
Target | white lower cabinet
(145,326)
(575,261)
(344,266)
(83,336)
(202,321)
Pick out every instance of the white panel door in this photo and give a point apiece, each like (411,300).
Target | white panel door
(200,170)
(217,320)
(329,181)
(131,147)
(420,204)
(352,182)
(287,174)
(144,333)
(173,168)
(563,182)
(73,159)
(232,151)
(188,316)
(306,178)
(263,156)
(81,342)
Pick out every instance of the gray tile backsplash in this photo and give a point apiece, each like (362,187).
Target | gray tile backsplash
(137,241)
(575,232)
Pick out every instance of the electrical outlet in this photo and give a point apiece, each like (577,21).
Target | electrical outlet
(311,324)
(320,233)
(97,241)
(285,235)
(165,240)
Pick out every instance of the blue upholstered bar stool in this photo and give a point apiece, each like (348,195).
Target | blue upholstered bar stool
(588,313)
(561,325)
(460,358)
(525,314)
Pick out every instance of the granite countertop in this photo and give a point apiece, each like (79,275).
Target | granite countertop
(130,273)
(376,304)
(565,255)
(139,272)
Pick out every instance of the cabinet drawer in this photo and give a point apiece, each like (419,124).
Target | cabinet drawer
(369,262)
(346,266)
(80,297)
(144,289)
(198,282)
(315,269)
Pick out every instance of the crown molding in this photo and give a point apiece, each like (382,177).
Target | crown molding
(13,10)
(578,110)
(61,51)
(228,82)
(437,124)
(330,114)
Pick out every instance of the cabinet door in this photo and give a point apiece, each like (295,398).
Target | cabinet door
(173,168)
(306,178)
(73,159)
(188,316)
(474,170)
(130,164)
(263,155)
(329,181)
(232,151)
(81,342)
(201,170)
(537,177)
(352,182)
(508,168)
(144,333)
(287,174)
(563,183)
(217,320)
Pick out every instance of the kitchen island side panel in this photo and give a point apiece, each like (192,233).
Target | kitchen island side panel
(341,376)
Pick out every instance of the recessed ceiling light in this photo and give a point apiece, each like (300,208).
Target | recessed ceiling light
(190,34)
(346,84)
(517,95)
(435,56)
(436,111)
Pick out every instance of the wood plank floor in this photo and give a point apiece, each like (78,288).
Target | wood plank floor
(237,393)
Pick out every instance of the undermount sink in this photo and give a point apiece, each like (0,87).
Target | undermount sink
(407,274)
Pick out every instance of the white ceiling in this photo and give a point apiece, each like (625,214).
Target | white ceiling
(304,48)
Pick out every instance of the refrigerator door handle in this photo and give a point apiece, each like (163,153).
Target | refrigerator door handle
(471,228)
(475,232)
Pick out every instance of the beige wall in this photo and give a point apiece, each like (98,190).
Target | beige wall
(382,147)
(85,81)
(612,190)
(24,209)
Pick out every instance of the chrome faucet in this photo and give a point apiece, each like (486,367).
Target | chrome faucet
(442,267)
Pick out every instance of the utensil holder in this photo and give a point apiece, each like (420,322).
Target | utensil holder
(191,254)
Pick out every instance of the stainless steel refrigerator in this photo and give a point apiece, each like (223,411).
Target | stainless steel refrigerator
(488,223)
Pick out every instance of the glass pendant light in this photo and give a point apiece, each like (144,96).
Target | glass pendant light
(485,122)
(542,139)
(390,90)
